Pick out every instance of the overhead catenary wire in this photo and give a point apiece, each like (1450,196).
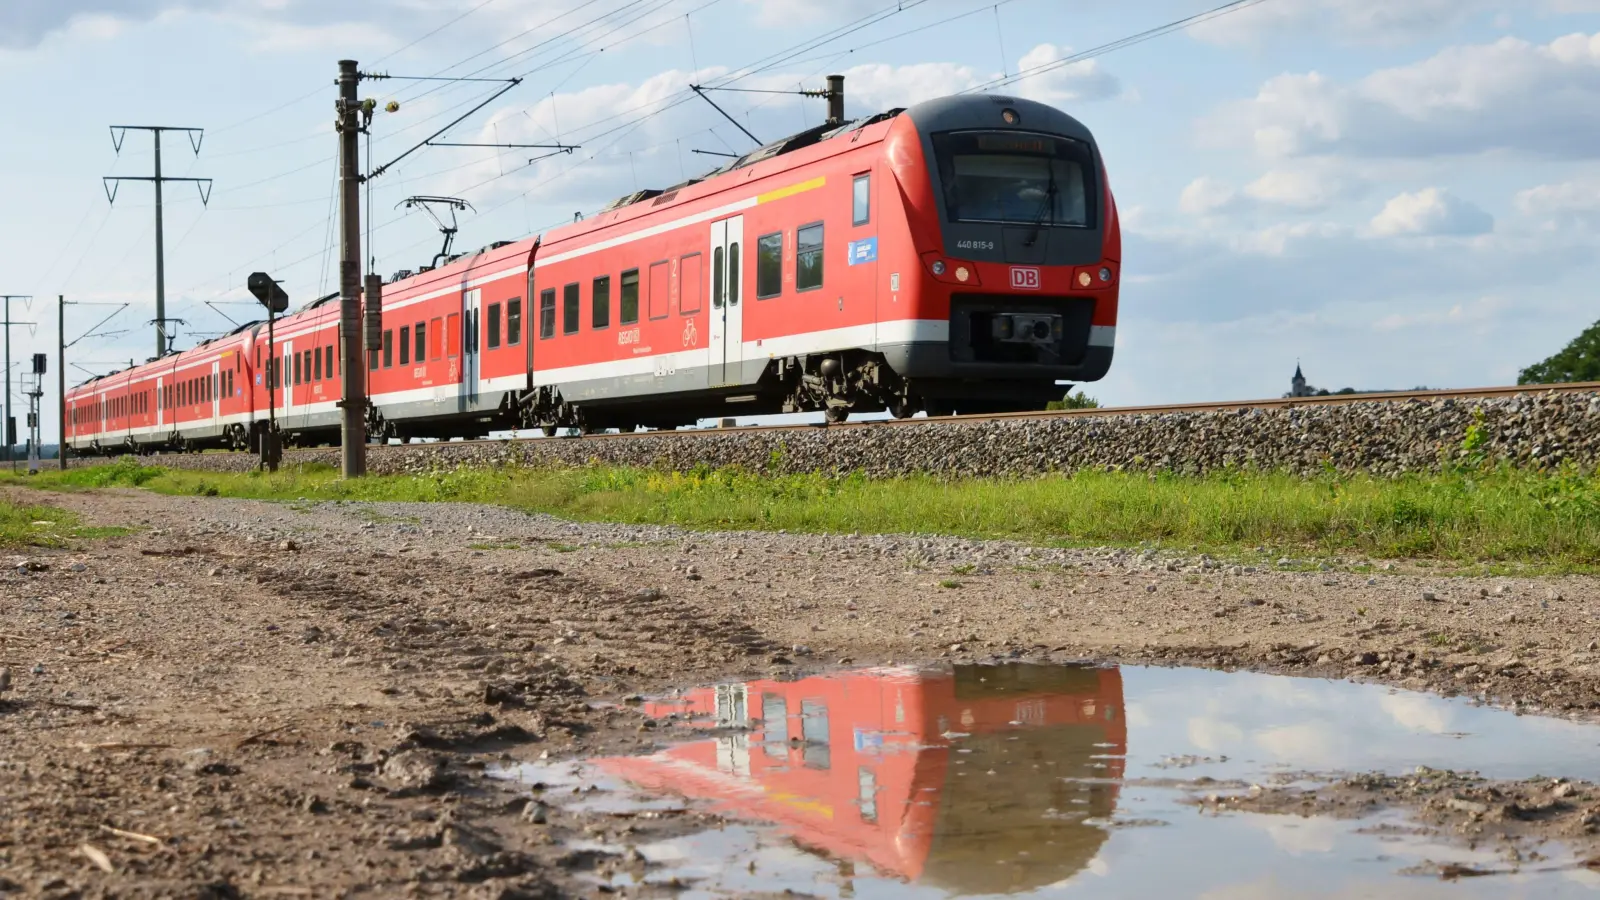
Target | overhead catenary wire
(662,105)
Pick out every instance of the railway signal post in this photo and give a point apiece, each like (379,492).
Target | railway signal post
(61,378)
(353,402)
(276,301)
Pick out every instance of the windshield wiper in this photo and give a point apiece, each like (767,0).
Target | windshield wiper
(1047,210)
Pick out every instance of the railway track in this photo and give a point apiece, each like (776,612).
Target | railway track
(1216,406)
(1102,412)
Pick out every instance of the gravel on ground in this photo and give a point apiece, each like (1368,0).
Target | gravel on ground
(249,698)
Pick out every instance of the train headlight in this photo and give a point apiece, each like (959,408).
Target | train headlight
(1105,273)
(938,267)
(962,274)
(1083,279)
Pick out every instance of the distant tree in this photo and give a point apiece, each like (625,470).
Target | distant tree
(1578,361)
(1347,390)
(1080,400)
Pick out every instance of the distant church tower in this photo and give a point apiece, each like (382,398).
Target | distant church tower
(1298,384)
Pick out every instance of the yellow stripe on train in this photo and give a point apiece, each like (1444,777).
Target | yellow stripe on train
(792,189)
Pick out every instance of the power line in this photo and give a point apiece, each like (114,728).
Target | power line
(1215,12)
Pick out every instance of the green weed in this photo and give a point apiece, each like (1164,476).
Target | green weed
(1495,519)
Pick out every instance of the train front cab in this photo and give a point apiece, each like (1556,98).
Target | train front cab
(1014,254)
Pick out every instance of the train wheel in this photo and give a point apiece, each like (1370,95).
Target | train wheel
(547,430)
(836,414)
(902,408)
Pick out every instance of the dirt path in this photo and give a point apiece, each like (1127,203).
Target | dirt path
(251,699)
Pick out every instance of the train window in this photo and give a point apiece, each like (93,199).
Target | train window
(769,265)
(405,345)
(861,200)
(733,274)
(808,258)
(295,375)
(388,348)
(718,277)
(570,302)
(421,347)
(600,314)
(327,367)
(452,335)
(630,297)
(660,290)
(494,325)
(372,360)
(547,313)
(316,362)
(436,335)
(514,321)
(689,284)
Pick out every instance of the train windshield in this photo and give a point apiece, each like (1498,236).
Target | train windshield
(1014,177)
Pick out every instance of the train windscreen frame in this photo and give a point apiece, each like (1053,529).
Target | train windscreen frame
(1016,178)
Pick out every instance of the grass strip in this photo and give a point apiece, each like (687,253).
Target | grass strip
(1550,520)
(45,526)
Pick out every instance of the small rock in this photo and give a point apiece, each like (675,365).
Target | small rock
(1471,807)
(1150,588)
(536,813)
(1368,658)
(415,769)
(214,571)
(1564,789)
(288,546)
(78,567)
(1430,597)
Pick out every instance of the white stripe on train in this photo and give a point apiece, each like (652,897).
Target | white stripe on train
(876,334)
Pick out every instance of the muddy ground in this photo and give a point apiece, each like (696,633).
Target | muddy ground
(252,699)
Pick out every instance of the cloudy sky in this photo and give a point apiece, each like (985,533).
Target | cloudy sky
(1393,192)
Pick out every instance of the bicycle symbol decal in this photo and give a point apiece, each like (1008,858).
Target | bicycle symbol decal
(691,337)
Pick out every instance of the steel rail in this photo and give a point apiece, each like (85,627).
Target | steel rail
(1105,411)
(1212,406)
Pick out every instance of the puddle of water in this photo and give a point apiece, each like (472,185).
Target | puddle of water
(1016,780)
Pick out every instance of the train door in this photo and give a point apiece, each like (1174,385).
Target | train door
(286,376)
(470,302)
(216,390)
(161,408)
(727,318)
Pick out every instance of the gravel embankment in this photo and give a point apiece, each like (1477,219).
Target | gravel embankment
(1385,438)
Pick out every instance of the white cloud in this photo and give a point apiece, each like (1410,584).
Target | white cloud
(1384,22)
(1076,83)
(1481,313)
(1300,188)
(1206,195)
(1361,21)
(1508,95)
(1565,203)
(1431,211)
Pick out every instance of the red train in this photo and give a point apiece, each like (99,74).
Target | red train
(962,255)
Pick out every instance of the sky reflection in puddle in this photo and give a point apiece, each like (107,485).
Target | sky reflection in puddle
(1011,780)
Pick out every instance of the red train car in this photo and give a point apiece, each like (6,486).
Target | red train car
(979,779)
(962,255)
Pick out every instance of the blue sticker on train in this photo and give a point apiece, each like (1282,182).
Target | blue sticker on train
(864,251)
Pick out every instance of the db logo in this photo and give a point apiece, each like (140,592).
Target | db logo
(1024,278)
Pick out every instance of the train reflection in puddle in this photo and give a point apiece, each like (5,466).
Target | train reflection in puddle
(973,779)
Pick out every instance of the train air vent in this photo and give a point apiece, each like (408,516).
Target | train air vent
(665,198)
(401,275)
